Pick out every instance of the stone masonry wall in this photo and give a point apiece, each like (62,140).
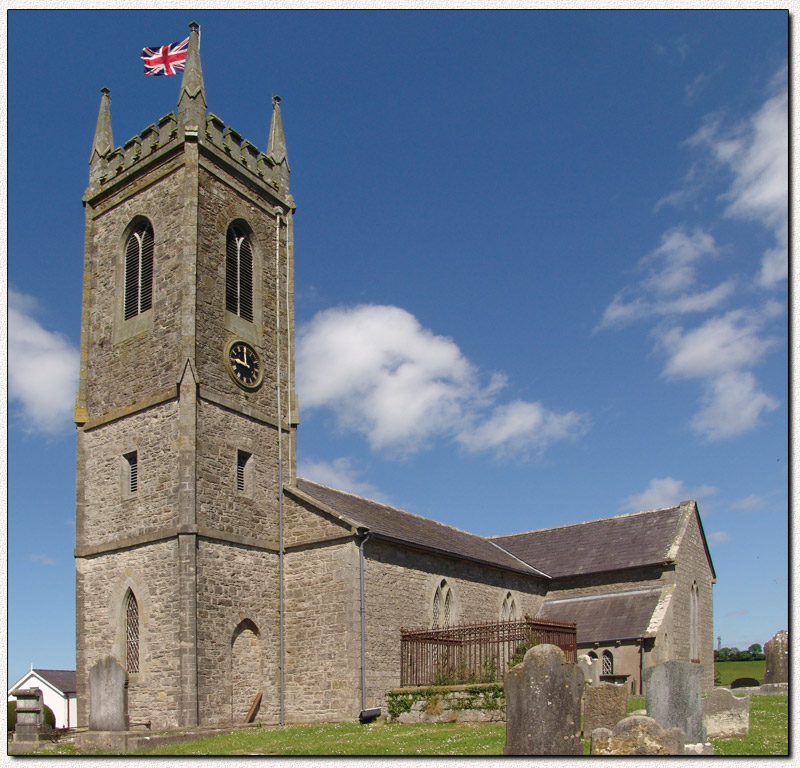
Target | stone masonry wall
(220,205)
(237,584)
(151,573)
(220,435)
(400,585)
(693,566)
(124,367)
(304,524)
(110,510)
(323,651)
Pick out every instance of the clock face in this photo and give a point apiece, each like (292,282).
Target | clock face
(244,365)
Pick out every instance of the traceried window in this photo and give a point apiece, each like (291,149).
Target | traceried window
(239,274)
(442,606)
(131,633)
(139,271)
(608,663)
(508,611)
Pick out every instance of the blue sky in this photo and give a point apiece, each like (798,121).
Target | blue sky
(559,238)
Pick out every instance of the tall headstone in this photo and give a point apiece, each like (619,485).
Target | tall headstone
(108,692)
(674,697)
(604,705)
(777,653)
(543,704)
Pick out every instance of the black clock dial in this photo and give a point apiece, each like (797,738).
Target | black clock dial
(244,364)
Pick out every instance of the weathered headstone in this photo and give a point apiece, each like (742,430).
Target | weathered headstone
(108,696)
(30,714)
(745,682)
(674,697)
(777,653)
(604,705)
(590,668)
(637,736)
(725,715)
(543,704)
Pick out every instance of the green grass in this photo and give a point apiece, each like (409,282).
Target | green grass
(769,735)
(350,739)
(728,671)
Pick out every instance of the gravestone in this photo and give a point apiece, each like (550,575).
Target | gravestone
(604,705)
(725,715)
(30,714)
(674,697)
(543,704)
(590,668)
(108,696)
(745,682)
(637,736)
(777,653)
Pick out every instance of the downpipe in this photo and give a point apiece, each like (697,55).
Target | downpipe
(366,714)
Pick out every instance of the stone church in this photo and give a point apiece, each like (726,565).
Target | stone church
(204,565)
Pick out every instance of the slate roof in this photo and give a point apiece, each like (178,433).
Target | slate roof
(395,524)
(63,679)
(614,616)
(596,546)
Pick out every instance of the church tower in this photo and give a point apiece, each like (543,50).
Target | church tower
(186,413)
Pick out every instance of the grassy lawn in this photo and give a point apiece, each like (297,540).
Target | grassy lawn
(769,735)
(728,671)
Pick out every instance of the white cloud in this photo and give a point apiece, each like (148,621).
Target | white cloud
(732,405)
(42,369)
(42,560)
(720,345)
(400,385)
(671,285)
(665,492)
(749,503)
(718,537)
(340,474)
(757,151)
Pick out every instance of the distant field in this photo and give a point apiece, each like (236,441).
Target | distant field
(728,671)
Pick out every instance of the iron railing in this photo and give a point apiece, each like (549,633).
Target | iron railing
(476,653)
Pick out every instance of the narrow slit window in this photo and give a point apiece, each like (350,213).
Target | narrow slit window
(239,274)
(139,271)
(242,458)
(131,633)
(133,471)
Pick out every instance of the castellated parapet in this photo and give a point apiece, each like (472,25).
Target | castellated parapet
(164,136)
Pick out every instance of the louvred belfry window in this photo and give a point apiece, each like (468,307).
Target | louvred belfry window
(239,274)
(139,271)
(131,633)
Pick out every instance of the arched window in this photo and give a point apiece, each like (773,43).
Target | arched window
(508,611)
(239,274)
(139,271)
(592,655)
(442,606)
(131,633)
(608,663)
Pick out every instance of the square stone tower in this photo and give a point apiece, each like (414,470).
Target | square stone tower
(186,413)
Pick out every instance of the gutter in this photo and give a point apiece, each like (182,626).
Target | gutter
(366,714)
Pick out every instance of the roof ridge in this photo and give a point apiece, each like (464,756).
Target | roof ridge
(411,514)
(586,522)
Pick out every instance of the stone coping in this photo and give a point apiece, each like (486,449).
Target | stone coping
(463,687)
(767,689)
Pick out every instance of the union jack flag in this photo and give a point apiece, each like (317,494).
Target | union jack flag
(165,59)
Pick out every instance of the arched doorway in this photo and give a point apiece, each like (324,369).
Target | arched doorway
(245,669)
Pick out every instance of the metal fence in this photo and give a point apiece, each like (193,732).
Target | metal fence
(476,653)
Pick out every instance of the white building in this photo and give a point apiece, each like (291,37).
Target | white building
(58,692)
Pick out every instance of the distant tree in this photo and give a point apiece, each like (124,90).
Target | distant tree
(756,652)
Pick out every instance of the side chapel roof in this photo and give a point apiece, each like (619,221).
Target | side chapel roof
(612,543)
(397,525)
(609,616)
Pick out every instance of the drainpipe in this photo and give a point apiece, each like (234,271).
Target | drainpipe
(641,664)
(280,457)
(366,714)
